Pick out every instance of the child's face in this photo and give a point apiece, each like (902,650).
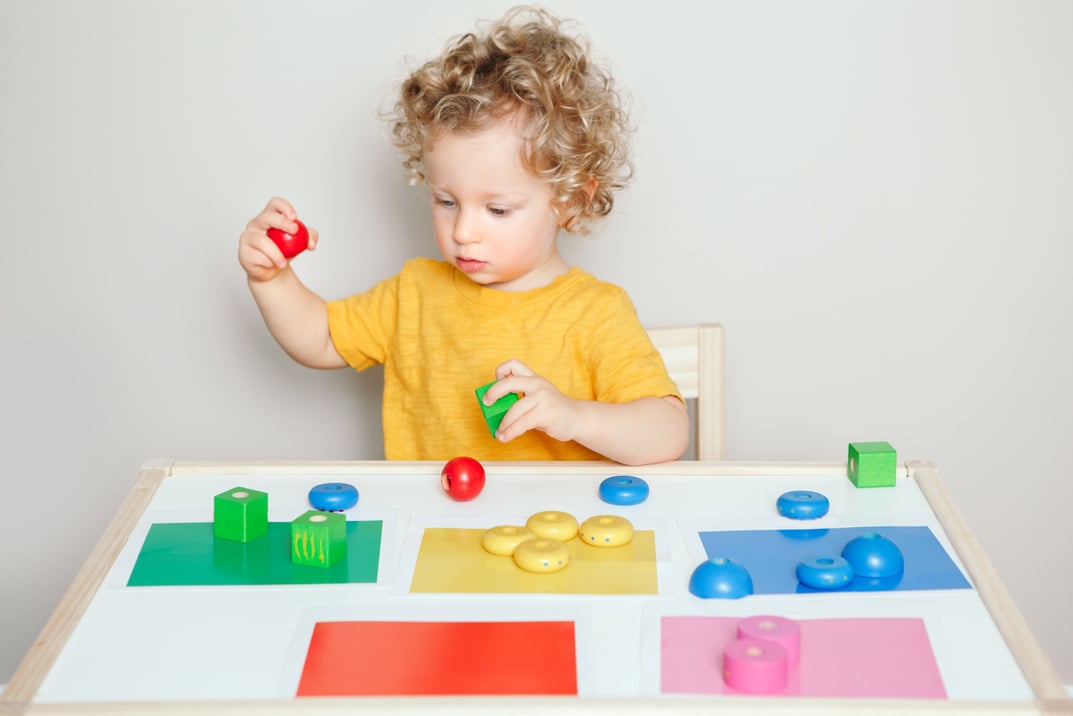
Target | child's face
(493,219)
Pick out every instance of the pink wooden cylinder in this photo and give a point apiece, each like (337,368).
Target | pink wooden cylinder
(755,667)
(780,630)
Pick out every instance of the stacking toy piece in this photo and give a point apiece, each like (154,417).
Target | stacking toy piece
(825,572)
(542,555)
(778,630)
(872,555)
(318,539)
(462,478)
(802,505)
(606,531)
(872,464)
(290,245)
(333,496)
(623,490)
(756,667)
(240,514)
(493,414)
(720,578)
(502,540)
(553,525)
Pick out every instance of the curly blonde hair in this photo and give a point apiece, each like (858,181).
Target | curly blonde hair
(575,126)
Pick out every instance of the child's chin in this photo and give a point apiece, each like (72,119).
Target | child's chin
(484,277)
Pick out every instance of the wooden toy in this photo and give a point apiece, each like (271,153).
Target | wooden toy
(240,514)
(606,531)
(872,464)
(825,572)
(290,245)
(493,414)
(720,578)
(553,525)
(542,555)
(318,539)
(873,555)
(462,478)
(802,505)
(502,540)
(778,630)
(623,490)
(333,496)
(755,667)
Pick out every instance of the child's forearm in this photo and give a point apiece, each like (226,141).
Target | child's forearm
(640,432)
(298,319)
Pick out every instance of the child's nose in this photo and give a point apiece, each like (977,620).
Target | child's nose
(465,229)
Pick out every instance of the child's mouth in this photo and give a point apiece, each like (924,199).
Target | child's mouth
(469,265)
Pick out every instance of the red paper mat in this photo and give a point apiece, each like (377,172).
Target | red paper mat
(439,658)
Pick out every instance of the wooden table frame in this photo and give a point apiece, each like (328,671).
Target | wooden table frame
(1039,673)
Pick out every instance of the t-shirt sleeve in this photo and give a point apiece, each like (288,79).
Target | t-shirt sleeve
(625,364)
(362,326)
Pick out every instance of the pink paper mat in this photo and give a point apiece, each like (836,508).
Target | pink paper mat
(870,658)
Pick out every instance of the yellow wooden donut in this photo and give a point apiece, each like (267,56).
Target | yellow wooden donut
(503,539)
(553,525)
(606,531)
(542,555)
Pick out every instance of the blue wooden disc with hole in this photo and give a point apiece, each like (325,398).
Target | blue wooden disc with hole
(825,572)
(333,496)
(623,490)
(802,505)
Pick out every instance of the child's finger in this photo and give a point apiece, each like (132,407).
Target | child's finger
(517,421)
(512,367)
(279,205)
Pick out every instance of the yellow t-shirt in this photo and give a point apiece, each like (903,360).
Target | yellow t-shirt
(440,336)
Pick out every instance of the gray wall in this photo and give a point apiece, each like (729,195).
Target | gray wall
(875,198)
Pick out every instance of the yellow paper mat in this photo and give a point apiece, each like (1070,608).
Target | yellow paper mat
(451,560)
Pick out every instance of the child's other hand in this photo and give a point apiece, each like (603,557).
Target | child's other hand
(257,254)
(541,407)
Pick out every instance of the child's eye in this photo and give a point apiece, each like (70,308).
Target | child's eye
(498,211)
(448,203)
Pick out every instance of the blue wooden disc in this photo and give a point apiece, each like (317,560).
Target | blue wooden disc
(623,490)
(802,505)
(333,496)
(825,572)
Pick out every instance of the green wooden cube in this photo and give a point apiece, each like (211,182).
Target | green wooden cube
(240,514)
(493,414)
(872,464)
(318,539)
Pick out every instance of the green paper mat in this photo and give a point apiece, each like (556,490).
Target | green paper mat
(188,554)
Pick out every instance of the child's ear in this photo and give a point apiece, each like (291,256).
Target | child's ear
(569,211)
(590,188)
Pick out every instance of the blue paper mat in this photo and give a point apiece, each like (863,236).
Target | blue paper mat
(772,556)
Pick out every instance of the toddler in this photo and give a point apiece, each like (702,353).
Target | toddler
(517,135)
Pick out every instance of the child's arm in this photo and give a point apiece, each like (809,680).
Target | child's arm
(639,432)
(296,317)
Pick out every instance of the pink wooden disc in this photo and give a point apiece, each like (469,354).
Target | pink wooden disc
(755,667)
(780,630)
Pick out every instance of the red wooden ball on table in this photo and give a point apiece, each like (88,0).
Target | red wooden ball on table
(462,478)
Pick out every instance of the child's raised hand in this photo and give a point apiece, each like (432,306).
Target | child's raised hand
(257,253)
(541,407)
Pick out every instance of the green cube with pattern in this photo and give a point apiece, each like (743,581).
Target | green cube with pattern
(318,539)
